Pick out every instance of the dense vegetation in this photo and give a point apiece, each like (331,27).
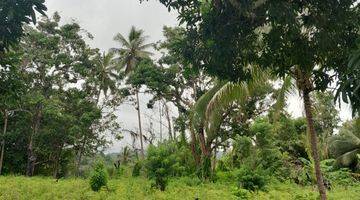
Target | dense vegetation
(228,72)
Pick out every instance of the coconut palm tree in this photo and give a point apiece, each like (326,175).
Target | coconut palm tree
(132,50)
(105,74)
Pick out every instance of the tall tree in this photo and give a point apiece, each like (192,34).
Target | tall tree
(12,88)
(104,75)
(307,40)
(175,81)
(133,49)
(54,58)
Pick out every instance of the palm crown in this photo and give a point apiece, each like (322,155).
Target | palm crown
(132,50)
(106,73)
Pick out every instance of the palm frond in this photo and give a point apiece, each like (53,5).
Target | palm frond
(146,46)
(344,147)
(135,33)
(120,38)
(281,96)
(132,49)
(199,108)
(347,159)
(354,60)
(143,54)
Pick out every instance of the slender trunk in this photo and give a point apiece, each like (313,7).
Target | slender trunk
(174,133)
(213,165)
(168,120)
(79,156)
(313,143)
(30,151)
(160,118)
(3,140)
(31,158)
(57,163)
(139,120)
(78,162)
(204,150)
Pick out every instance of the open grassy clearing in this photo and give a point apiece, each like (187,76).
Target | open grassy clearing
(140,188)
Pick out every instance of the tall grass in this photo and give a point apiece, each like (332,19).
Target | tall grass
(125,188)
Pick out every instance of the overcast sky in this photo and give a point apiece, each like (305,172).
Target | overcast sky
(103,19)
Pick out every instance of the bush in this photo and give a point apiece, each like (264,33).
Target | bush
(137,169)
(225,177)
(251,179)
(99,177)
(168,160)
(334,175)
(120,172)
(241,193)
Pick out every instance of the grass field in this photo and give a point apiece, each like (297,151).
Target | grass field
(140,188)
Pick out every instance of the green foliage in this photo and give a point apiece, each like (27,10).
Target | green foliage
(251,179)
(51,82)
(133,49)
(115,172)
(43,188)
(99,177)
(247,178)
(137,168)
(349,81)
(241,193)
(13,14)
(345,147)
(290,38)
(167,160)
(190,180)
(336,176)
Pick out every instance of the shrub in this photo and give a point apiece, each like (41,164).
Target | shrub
(226,177)
(137,169)
(120,172)
(99,177)
(251,179)
(334,175)
(241,193)
(168,160)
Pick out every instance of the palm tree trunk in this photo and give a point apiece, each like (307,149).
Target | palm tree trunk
(193,148)
(313,143)
(140,130)
(206,154)
(3,140)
